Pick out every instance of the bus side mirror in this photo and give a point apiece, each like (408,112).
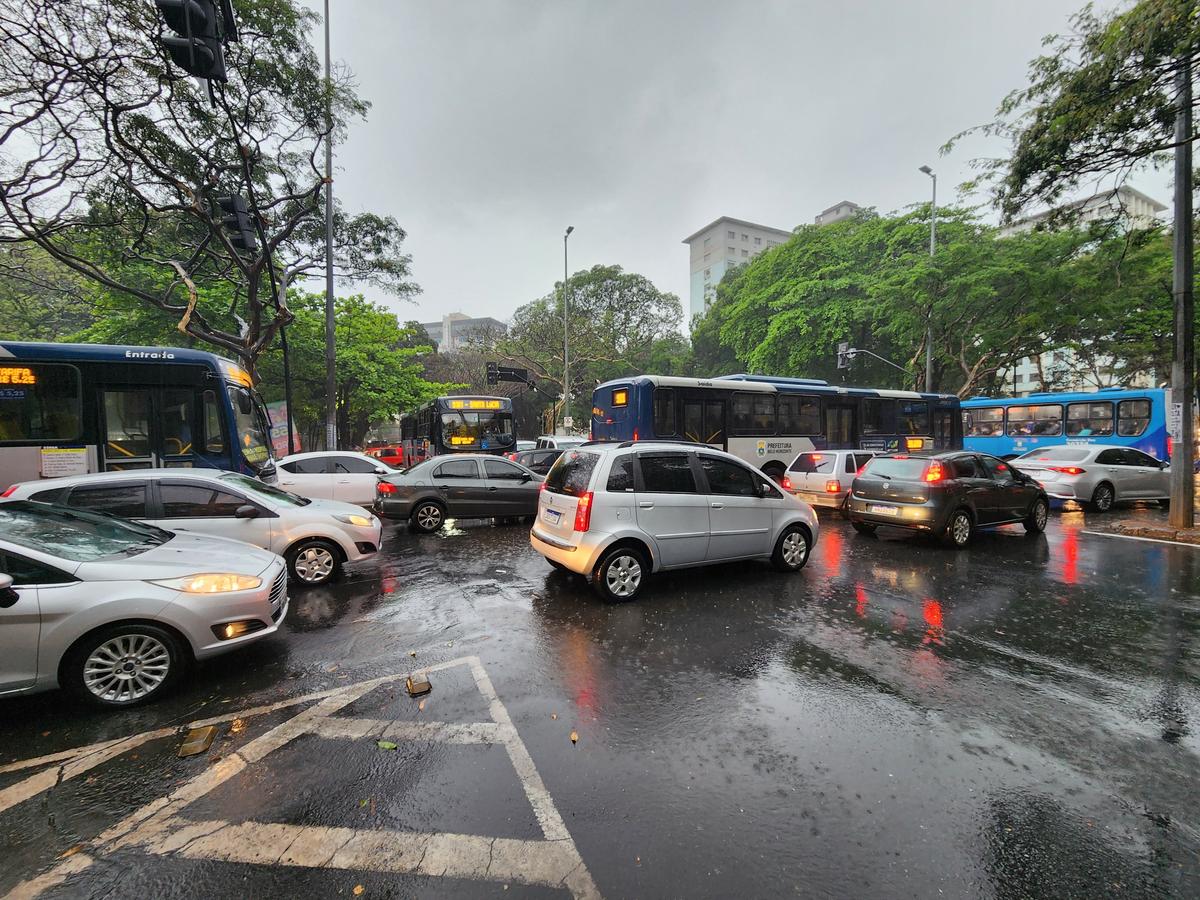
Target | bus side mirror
(246,511)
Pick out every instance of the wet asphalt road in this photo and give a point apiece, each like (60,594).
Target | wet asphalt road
(899,719)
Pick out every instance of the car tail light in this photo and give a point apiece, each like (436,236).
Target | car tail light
(935,472)
(385,487)
(9,491)
(786,483)
(583,512)
(1067,470)
(833,486)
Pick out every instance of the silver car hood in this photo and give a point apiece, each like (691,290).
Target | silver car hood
(336,508)
(183,554)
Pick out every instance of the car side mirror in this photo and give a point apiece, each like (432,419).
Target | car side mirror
(525,476)
(380,471)
(8,594)
(246,511)
(764,489)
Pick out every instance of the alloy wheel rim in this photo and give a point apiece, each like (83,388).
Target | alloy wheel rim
(429,517)
(962,529)
(1104,497)
(1040,515)
(794,549)
(314,563)
(623,576)
(126,668)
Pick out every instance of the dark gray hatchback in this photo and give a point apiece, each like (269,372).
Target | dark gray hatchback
(946,494)
(458,486)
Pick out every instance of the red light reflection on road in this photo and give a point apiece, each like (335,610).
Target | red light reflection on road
(1070,552)
(831,553)
(935,630)
(860,601)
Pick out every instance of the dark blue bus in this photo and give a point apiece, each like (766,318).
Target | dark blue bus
(69,409)
(767,420)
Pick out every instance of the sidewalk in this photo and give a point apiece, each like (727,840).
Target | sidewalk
(1157,532)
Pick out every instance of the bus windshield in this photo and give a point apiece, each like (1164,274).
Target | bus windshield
(467,429)
(253,426)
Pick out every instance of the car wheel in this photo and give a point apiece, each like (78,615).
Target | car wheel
(863,527)
(791,550)
(123,665)
(620,574)
(775,473)
(1035,523)
(313,561)
(427,517)
(1102,497)
(959,528)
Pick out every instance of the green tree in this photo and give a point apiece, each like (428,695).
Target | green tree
(39,300)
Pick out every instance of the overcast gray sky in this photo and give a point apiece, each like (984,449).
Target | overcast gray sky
(497,124)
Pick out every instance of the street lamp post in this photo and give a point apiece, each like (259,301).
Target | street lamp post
(330,333)
(566,337)
(932,251)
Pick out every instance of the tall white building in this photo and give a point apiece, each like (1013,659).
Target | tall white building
(457,330)
(1128,204)
(718,247)
(837,212)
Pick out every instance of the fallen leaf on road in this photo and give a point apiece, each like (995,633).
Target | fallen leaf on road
(554,715)
(236,725)
(362,802)
(72,851)
(421,706)
(574,736)
(412,652)
(385,745)
(45,734)
(358,889)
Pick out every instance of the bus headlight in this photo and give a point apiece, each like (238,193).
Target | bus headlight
(353,519)
(212,583)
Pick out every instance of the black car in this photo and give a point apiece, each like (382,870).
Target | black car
(945,494)
(458,486)
(538,461)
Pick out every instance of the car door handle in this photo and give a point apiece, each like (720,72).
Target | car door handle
(646,504)
(718,506)
(491,489)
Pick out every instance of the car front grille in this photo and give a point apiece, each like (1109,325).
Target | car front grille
(278,593)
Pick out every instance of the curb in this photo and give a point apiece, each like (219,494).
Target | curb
(1184,536)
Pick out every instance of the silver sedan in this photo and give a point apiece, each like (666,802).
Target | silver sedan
(1097,474)
(115,611)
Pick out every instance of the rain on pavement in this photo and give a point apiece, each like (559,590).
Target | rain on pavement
(899,719)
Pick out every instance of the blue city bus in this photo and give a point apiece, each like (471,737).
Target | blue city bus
(767,421)
(69,409)
(1010,426)
(463,424)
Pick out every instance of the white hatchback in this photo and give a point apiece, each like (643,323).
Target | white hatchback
(823,477)
(314,536)
(332,475)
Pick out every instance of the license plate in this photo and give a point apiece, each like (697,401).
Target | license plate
(883,510)
(551,516)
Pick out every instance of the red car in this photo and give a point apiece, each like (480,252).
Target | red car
(392,456)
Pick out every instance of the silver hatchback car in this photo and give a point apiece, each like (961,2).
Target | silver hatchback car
(115,611)
(617,512)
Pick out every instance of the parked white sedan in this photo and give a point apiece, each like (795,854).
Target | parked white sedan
(1097,474)
(115,611)
(333,475)
(314,536)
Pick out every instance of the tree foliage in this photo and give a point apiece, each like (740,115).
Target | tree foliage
(111,161)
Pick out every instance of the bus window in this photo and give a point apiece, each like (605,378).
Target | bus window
(214,425)
(878,416)
(39,402)
(1133,416)
(799,415)
(253,429)
(127,428)
(943,428)
(753,414)
(177,410)
(664,412)
(984,421)
(1087,419)
(1040,421)
(914,417)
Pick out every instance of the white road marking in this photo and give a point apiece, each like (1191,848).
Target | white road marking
(158,829)
(1134,537)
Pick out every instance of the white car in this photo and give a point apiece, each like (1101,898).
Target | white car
(115,611)
(332,475)
(1097,474)
(823,477)
(314,536)
(558,442)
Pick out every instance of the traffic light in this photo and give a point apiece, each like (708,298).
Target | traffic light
(197,49)
(493,373)
(236,220)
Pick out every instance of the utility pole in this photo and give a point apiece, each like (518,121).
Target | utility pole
(566,337)
(932,252)
(1183,367)
(330,337)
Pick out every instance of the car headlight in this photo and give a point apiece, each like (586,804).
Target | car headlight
(352,519)
(212,583)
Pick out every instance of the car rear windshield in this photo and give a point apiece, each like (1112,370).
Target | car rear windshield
(1074,454)
(572,473)
(905,468)
(811,463)
(76,535)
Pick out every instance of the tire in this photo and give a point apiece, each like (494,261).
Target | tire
(314,561)
(959,529)
(1035,522)
(123,665)
(791,550)
(844,509)
(863,527)
(1103,497)
(775,473)
(620,574)
(428,517)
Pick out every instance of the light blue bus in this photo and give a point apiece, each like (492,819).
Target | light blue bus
(1124,417)
(69,409)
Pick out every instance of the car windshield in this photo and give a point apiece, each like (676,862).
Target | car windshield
(75,534)
(904,468)
(1072,454)
(572,472)
(264,491)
